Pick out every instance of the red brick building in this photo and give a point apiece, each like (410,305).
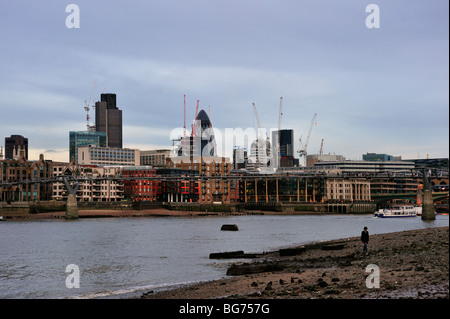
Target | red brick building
(140,190)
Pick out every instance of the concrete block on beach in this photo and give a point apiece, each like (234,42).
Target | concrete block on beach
(232,227)
(232,254)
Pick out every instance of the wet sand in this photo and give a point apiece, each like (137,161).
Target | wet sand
(107,213)
(412,264)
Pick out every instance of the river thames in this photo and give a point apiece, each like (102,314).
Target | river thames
(120,257)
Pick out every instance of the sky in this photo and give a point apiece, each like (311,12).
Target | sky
(381,90)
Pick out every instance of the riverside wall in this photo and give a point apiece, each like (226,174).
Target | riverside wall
(288,208)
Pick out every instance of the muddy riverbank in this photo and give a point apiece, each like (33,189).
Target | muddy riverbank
(412,264)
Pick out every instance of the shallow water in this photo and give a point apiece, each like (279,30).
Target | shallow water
(130,255)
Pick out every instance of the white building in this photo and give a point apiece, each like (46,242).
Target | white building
(90,189)
(96,155)
(154,157)
(341,189)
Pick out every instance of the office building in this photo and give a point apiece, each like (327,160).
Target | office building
(101,156)
(108,119)
(377,157)
(154,157)
(84,138)
(283,141)
(14,143)
(239,158)
(286,143)
(314,158)
(260,155)
(366,166)
(437,163)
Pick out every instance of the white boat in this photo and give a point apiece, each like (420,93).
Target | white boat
(399,211)
(418,210)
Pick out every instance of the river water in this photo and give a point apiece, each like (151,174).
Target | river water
(120,257)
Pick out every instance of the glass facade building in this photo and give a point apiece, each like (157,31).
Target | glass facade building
(84,138)
(377,157)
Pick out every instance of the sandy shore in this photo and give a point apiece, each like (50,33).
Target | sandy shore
(112,214)
(108,213)
(412,264)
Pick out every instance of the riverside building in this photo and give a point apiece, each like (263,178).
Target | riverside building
(22,170)
(93,186)
(137,187)
(214,189)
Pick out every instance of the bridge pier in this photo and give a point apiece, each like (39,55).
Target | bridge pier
(427,203)
(71,205)
(428,206)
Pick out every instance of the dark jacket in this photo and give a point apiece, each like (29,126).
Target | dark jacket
(365,236)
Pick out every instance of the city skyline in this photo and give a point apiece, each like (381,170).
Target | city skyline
(381,90)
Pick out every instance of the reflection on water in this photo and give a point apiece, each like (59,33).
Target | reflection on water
(124,255)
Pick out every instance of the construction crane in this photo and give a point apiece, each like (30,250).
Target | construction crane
(303,150)
(260,142)
(280,113)
(194,131)
(87,108)
(257,120)
(184,127)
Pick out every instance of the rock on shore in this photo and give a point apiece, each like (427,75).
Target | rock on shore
(412,264)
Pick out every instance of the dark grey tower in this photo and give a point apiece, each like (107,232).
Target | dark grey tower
(108,118)
(286,148)
(286,143)
(204,135)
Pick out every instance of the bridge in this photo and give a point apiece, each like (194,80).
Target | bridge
(380,198)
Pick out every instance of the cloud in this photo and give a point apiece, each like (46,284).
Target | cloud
(369,87)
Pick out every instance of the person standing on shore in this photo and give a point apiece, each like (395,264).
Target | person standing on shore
(365,238)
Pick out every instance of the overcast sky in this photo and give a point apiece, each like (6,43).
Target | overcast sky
(382,90)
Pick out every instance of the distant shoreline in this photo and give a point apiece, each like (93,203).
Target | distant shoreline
(105,213)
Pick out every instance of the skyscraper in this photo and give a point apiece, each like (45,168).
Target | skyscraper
(284,140)
(15,142)
(201,142)
(239,158)
(108,119)
(286,143)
